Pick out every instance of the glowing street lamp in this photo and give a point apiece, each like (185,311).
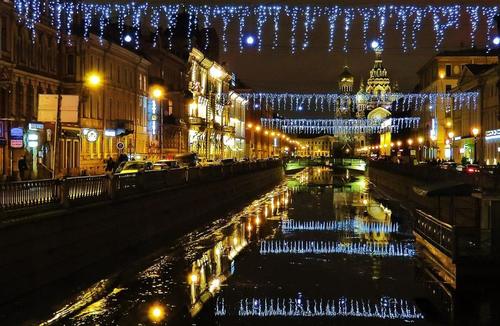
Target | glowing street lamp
(496,40)
(410,141)
(475,132)
(94,80)
(375,44)
(399,143)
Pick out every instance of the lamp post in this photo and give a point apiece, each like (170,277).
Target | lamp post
(158,92)
(420,142)
(451,135)
(475,132)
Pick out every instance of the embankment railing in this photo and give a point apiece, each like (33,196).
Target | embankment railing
(26,197)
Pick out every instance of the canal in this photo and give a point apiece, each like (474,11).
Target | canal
(319,249)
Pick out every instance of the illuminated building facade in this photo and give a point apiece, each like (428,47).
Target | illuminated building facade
(321,146)
(216,114)
(483,78)
(441,74)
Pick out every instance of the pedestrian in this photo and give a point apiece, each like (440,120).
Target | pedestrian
(110,165)
(22,166)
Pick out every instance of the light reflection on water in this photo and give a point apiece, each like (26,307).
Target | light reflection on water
(222,261)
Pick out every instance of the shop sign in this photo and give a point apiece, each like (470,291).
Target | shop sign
(152,117)
(16,137)
(110,132)
(90,134)
(492,134)
(35,126)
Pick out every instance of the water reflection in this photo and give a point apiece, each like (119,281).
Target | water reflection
(317,247)
(209,272)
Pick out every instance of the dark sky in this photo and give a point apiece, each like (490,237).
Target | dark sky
(316,70)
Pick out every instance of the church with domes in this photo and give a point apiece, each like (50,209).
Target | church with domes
(368,104)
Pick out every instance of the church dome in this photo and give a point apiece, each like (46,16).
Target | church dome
(346,74)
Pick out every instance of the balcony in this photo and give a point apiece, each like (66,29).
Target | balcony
(231,130)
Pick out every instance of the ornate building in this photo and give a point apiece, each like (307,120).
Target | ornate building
(368,104)
(216,113)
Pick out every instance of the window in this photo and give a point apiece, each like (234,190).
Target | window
(70,67)
(448,88)
(448,70)
(3,34)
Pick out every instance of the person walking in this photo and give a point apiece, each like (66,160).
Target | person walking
(22,165)
(110,165)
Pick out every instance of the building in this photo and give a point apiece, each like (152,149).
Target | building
(440,75)
(167,76)
(107,85)
(115,110)
(27,69)
(216,113)
(484,146)
(321,146)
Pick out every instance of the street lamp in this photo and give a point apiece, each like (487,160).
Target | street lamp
(399,143)
(475,132)
(157,92)
(93,80)
(451,135)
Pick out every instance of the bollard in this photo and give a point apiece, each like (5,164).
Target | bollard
(64,193)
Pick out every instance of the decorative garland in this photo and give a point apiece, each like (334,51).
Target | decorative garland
(339,126)
(343,103)
(386,308)
(408,20)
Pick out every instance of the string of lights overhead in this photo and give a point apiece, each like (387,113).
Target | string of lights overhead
(339,126)
(251,20)
(322,102)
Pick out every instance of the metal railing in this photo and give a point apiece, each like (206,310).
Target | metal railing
(454,241)
(431,173)
(25,197)
(23,194)
(438,233)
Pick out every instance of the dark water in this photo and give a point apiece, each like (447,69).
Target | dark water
(320,249)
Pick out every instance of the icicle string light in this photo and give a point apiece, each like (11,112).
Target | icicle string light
(346,225)
(334,247)
(361,102)
(339,126)
(385,308)
(443,18)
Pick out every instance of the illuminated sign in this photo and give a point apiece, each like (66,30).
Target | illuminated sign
(32,137)
(16,137)
(35,126)
(110,132)
(433,132)
(457,138)
(492,134)
(92,135)
(152,116)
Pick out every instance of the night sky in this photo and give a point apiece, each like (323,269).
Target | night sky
(317,70)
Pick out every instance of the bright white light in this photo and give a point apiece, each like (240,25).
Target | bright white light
(375,44)
(300,108)
(256,106)
(496,40)
(127,38)
(250,40)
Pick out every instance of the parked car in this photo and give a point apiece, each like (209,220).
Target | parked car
(472,168)
(165,165)
(209,163)
(228,161)
(187,159)
(134,167)
(448,166)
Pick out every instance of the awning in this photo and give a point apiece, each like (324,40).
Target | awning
(447,188)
